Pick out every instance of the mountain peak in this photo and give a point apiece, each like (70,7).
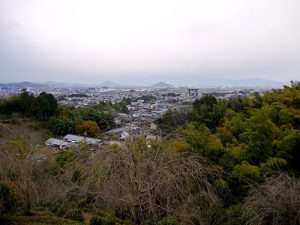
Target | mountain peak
(161,85)
(109,84)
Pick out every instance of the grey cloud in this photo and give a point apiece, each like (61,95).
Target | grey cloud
(177,43)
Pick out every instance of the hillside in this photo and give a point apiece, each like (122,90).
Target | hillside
(223,162)
(109,84)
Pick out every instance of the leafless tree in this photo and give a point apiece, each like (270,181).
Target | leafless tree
(142,178)
(275,202)
(148,181)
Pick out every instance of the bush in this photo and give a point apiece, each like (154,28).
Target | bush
(75,214)
(245,170)
(96,220)
(234,215)
(169,220)
(103,220)
(276,202)
(8,201)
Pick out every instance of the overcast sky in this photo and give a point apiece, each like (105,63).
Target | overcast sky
(136,41)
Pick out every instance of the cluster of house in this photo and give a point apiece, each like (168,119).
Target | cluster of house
(134,128)
(121,133)
(73,140)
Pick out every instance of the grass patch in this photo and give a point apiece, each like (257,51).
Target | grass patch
(42,218)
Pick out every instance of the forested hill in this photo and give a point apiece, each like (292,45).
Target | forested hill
(229,162)
(260,133)
(254,141)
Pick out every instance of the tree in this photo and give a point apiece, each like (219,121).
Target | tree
(236,104)
(209,111)
(137,178)
(8,106)
(170,121)
(62,126)
(88,126)
(234,125)
(275,202)
(44,106)
(104,120)
(289,149)
(202,141)
(207,100)
(26,101)
(258,137)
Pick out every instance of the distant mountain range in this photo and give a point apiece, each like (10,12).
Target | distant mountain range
(201,82)
(26,84)
(253,82)
(107,84)
(20,84)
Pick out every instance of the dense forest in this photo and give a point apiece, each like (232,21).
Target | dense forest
(231,162)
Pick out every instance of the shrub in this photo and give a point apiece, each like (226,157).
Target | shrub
(8,201)
(245,170)
(234,215)
(96,220)
(75,214)
(169,220)
(104,220)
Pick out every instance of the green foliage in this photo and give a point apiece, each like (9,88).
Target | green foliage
(8,106)
(197,137)
(258,137)
(8,201)
(105,219)
(274,163)
(221,185)
(202,141)
(234,124)
(122,105)
(231,157)
(97,220)
(42,218)
(171,120)
(257,101)
(78,175)
(20,148)
(146,98)
(98,114)
(68,118)
(236,104)
(62,126)
(288,148)
(64,157)
(209,111)
(169,220)
(234,215)
(44,106)
(207,100)
(75,214)
(245,170)
(177,145)
(26,102)
(41,107)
